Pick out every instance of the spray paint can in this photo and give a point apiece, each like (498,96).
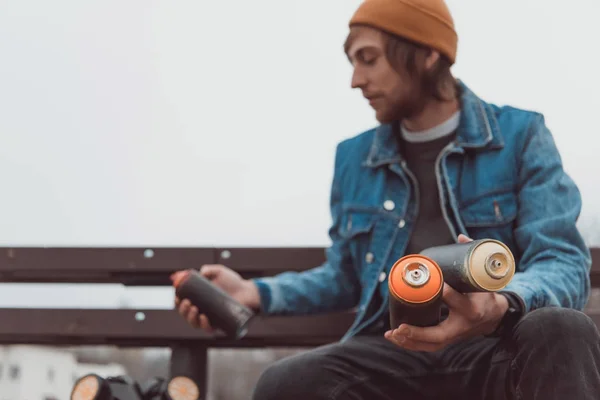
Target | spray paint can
(484,265)
(222,310)
(94,387)
(415,287)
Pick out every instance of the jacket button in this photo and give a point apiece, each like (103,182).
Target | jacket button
(389,205)
(369,258)
(382,276)
(402,224)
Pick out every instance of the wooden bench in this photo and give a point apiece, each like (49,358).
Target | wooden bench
(161,328)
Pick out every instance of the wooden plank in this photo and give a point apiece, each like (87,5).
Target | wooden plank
(271,260)
(163,328)
(137,266)
(141,266)
(595,258)
(142,328)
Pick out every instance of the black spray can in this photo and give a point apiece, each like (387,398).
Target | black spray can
(415,292)
(222,310)
(484,265)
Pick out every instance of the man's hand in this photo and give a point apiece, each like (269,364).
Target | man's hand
(242,290)
(470,315)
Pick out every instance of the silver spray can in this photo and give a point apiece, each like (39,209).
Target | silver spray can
(484,265)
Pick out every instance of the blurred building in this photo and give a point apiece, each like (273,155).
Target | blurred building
(44,373)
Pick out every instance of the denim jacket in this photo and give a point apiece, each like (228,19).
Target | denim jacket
(502,178)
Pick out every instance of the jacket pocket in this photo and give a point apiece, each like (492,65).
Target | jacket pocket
(491,210)
(355,223)
(357,230)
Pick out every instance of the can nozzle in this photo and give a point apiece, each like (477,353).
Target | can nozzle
(416,274)
(497,265)
(178,277)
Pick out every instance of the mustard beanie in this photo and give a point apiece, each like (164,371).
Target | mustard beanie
(427,22)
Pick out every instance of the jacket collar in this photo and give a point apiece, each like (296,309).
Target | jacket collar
(478,130)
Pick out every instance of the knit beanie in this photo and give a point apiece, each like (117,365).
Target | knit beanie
(426,22)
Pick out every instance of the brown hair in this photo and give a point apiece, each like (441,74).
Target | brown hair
(407,57)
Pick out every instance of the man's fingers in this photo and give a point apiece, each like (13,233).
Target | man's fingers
(443,334)
(434,334)
(184,307)
(464,239)
(205,323)
(454,299)
(210,271)
(410,344)
(192,316)
(413,345)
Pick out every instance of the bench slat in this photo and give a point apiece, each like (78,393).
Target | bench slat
(158,328)
(271,260)
(131,267)
(62,327)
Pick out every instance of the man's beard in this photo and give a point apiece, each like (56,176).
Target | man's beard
(411,101)
(409,105)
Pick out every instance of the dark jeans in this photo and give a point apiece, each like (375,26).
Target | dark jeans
(551,354)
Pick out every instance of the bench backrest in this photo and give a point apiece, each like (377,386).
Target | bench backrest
(141,266)
(152,266)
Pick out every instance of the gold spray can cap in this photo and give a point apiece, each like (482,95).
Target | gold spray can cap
(492,265)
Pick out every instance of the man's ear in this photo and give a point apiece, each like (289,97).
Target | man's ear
(432,58)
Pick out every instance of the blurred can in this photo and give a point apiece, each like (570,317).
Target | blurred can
(222,310)
(415,286)
(95,387)
(484,265)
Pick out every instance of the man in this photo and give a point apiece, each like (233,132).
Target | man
(443,166)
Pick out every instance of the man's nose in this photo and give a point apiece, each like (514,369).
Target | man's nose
(358,80)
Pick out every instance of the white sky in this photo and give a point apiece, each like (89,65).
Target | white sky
(214,123)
